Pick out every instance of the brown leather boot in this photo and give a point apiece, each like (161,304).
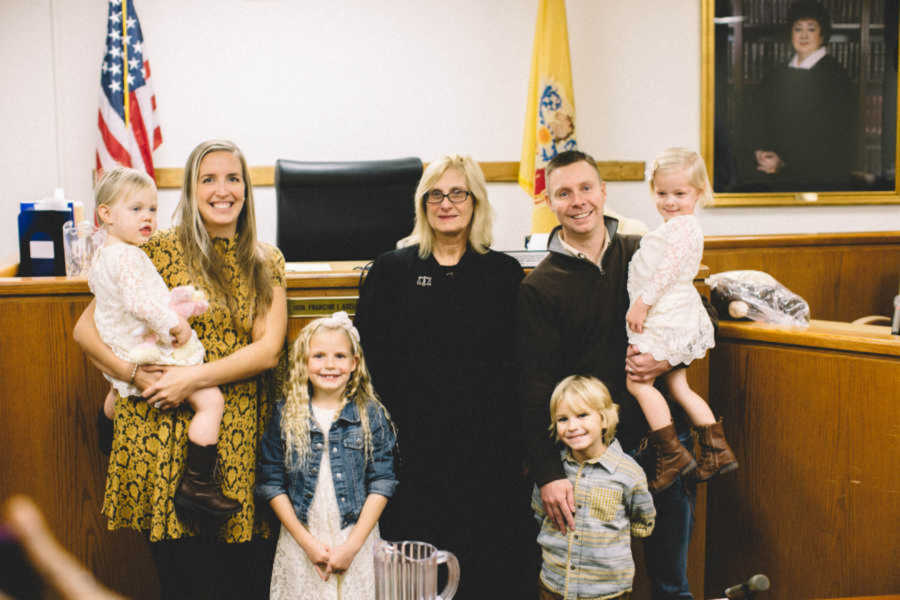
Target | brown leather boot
(716,456)
(198,492)
(672,459)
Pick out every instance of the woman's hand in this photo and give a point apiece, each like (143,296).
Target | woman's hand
(768,161)
(636,316)
(172,388)
(341,557)
(147,375)
(318,555)
(643,368)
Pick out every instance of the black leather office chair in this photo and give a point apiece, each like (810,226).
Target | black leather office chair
(344,210)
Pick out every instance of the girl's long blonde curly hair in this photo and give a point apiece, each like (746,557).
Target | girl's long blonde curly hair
(295,421)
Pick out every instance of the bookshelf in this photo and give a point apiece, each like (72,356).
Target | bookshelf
(751,40)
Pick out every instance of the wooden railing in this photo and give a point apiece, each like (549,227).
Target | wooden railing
(494,172)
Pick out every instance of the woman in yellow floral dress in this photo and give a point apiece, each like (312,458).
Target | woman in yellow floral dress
(213,246)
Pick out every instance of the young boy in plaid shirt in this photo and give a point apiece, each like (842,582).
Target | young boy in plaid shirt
(592,560)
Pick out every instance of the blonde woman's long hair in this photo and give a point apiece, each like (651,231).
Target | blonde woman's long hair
(202,258)
(295,416)
(480,229)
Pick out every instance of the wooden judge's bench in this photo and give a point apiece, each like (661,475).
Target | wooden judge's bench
(813,415)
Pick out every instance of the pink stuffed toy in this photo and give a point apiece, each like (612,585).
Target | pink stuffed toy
(187,301)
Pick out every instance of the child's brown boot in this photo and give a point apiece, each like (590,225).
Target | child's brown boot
(198,491)
(672,458)
(716,456)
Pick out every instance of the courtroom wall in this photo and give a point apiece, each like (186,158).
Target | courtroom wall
(354,79)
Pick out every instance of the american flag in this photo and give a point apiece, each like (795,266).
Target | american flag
(128,130)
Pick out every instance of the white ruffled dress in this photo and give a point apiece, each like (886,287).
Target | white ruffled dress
(662,271)
(293,575)
(133,299)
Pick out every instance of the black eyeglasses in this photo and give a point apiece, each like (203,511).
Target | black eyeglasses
(437,196)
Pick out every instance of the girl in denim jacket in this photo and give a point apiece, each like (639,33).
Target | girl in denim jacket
(327,467)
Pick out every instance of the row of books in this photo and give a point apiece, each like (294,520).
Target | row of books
(759,57)
(873,114)
(775,12)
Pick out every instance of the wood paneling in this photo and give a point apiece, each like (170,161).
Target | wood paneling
(814,504)
(51,394)
(841,276)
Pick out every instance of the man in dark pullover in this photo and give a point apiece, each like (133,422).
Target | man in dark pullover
(571,320)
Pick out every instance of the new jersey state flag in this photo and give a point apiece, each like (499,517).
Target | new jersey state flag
(550,116)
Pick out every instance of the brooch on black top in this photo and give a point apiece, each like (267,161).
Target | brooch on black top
(423,281)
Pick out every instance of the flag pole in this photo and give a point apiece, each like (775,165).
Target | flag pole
(125,61)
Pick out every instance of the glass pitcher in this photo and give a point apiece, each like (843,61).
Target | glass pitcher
(408,571)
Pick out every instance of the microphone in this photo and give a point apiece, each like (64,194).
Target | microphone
(757,583)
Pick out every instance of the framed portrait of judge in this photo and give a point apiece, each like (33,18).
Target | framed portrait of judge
(799,101)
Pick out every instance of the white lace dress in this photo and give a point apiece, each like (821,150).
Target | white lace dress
(677,328)
(293,575)
(132,299)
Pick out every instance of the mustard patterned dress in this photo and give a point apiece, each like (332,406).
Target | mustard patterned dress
(150,445)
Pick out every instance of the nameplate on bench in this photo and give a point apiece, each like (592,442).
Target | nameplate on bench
(322,306)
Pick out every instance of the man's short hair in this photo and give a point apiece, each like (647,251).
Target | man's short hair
(569,157)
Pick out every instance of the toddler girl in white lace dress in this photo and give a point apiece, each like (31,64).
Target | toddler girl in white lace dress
(327,468)
(132,302)
(667,319)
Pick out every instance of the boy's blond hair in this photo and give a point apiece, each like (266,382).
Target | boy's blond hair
(586,392)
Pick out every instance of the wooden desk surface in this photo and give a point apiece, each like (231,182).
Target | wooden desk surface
(832,335)
(340,274)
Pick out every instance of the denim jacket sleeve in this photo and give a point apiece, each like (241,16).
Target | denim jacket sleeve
(380,476)
(271,480)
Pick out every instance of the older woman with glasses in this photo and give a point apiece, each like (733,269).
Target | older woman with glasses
(436,319)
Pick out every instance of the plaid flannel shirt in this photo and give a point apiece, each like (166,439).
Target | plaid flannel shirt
(612,503)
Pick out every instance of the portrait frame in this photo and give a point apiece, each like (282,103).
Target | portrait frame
(879,186)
